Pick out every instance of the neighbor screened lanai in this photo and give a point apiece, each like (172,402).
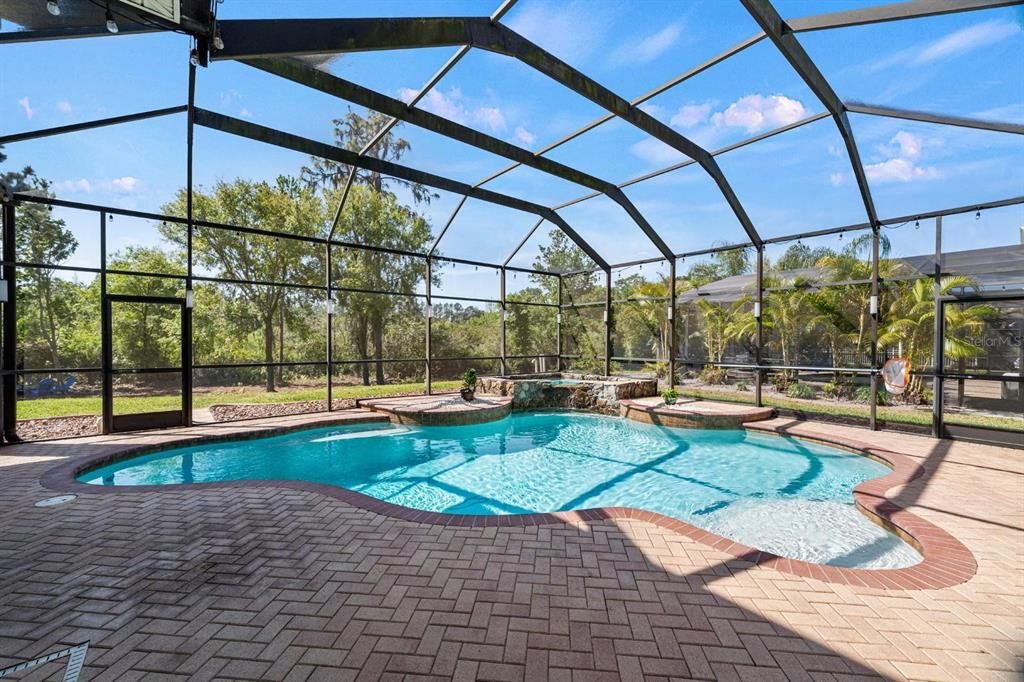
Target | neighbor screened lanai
(241,209)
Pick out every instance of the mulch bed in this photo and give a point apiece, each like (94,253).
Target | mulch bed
(58,427)
(232,412)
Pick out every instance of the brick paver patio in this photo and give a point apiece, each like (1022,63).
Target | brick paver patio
(275,583)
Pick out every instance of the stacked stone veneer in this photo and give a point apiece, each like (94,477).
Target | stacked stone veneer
(596,393)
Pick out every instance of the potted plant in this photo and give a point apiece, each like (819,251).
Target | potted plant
(670,396)
(468,389)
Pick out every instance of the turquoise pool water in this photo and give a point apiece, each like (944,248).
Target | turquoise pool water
(777,494)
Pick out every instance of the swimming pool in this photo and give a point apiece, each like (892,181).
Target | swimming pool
(781,495)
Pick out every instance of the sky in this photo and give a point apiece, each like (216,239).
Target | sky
(967,64)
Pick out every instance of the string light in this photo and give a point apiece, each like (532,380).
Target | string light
(111,24)
(977,216)
(53,8)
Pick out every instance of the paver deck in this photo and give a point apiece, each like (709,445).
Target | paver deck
(271,583)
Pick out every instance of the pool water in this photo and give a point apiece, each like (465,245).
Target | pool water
(777,494)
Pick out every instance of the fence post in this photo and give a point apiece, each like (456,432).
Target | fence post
(758,326)
(429,314)
(9,385)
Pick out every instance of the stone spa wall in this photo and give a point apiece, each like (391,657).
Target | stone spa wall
(580,391)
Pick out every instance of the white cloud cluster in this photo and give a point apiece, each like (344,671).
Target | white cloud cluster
(454,106)
(903,150)
(126,184)
(571,29)
(647,49)
(966,40)
(26,107)
(755,113)
(64,106)
(752,113)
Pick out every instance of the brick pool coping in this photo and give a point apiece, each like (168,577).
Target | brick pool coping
(704,414)
(946,561)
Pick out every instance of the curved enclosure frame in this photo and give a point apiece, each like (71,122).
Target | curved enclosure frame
(590,283)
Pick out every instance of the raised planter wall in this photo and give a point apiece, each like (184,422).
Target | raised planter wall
(539,392)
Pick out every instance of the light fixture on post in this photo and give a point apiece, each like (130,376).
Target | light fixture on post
(193,59)
(874,305)
(111,24)
(53,7)
(3,291)
(218,42)
(757,310)
(189,300)
(330,306)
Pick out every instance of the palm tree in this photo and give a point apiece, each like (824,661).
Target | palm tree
(910,324)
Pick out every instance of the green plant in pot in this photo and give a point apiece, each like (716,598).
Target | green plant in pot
(468,390)
(670,396)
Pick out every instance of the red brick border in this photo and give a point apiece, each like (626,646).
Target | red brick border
(947,562)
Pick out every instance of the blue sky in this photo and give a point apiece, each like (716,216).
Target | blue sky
(969,64)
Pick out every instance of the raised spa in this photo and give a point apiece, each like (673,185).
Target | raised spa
(781,495)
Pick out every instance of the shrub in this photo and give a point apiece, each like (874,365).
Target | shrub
(741,385)
(670,396)
(782,381)
(802,391)
(714,375)
(469,379)
(863,395)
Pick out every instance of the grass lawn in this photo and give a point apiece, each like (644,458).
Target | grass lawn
(64,407)
(903,415)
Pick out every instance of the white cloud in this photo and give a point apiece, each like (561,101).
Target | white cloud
(81,185)
(571,30)
(899,170)
(26,107)
(966,40)
(908,144)
(655,152)
(690,115)
(126,184)
(453,106)
(245,113)
(649,48)
(123,185)
(836,179)
(524,136)
(755,113)
(491,118)
(64,106)
(903,150)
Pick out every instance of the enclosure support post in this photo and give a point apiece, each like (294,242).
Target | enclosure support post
(558,325)
(429,315)
(186,326)
(330,326)
(608,322)
(504,314)
(758,326)
(10,350)
(938,355)
(672,323)
(106,336)
(874,311)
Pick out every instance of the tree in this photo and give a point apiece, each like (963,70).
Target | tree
(257,261)
(373,217)
(41,238)
(910,323)
(353,132)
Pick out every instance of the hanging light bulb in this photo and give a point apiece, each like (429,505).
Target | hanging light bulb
(111,24)
(977,216)
(218,42)
(193,58)
(917,224)
(53,7)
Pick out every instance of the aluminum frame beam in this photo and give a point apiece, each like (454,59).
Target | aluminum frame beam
(782,36)
(253,131)
(330,84)
(899,11)
(941,119)
(254,38)
(89,125)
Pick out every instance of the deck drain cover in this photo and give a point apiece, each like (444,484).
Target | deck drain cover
(54,501)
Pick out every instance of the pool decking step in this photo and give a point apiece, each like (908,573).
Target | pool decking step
(694,414)
(441,410)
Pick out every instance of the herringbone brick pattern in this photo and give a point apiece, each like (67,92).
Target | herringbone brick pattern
(274,583)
